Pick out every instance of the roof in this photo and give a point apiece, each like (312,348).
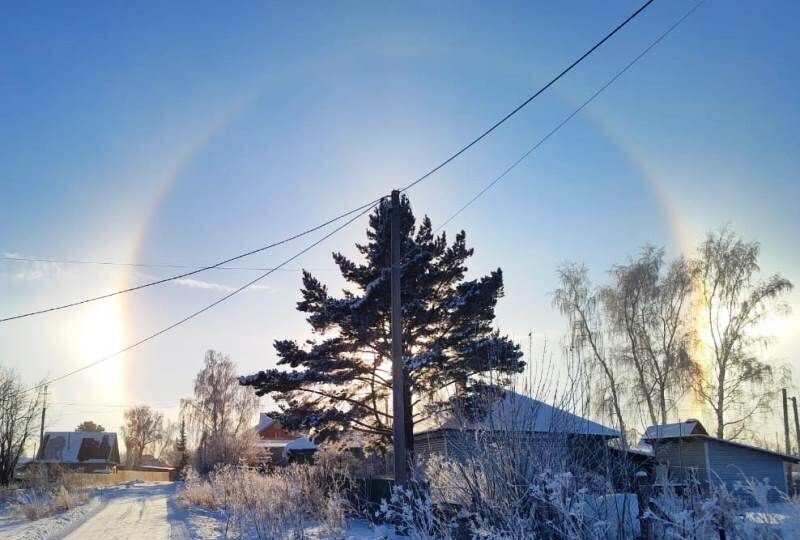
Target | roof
(515,412)
(676,430)
(264,421)
(79,447)
(693,429)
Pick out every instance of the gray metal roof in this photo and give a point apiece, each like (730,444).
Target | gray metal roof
(519,413)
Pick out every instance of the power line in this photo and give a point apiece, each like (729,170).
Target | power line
(197,271)
(206,308)
(147,265)
(563,122)
(531,98)
(570,116)
(441,165)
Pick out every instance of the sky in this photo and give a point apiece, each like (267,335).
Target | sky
(186,133)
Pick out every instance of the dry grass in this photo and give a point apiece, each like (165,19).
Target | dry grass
(280,504)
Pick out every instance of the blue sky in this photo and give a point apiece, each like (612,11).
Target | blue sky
(186,133)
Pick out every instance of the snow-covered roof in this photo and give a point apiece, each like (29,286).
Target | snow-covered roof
(301,443)
(675,430)
(515,412)
(264,421)
(693,429)
(79,447)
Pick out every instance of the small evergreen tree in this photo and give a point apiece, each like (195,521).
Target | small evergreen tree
(343,380)
(180,448)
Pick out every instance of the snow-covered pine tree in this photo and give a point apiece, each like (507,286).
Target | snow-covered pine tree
(342,381)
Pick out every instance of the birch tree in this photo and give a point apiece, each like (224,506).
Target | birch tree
(733,302)
(579,302)
(647,307)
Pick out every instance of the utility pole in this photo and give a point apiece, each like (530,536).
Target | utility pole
(796,423)
(786,422)
(41,427)
(398,363)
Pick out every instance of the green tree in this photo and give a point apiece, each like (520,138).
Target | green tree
(89,425)
(342,381)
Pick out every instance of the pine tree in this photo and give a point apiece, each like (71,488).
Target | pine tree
(342,381)
(180,447)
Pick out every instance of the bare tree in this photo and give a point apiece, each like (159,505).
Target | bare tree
(19,411)
(647,313)
(164,445)
(579,302)
(221,412)
(733,302)
(143,428)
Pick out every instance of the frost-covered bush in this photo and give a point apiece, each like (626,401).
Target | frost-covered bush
(278,504)
(38,503)
(227,448)
(742,513)
(508,489)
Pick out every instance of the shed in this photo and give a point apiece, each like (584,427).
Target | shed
(511,416)
(685,449)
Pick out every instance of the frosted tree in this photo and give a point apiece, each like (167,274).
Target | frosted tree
(220,414)
(733,302)
(143,428)
(19,415)
(341,381)
(579,301)
(646,308)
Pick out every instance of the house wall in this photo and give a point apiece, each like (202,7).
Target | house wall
(558,449)
(685,461)
(720,463)
(729,463)
(275,432)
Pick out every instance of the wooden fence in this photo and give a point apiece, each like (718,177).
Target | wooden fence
(119,477)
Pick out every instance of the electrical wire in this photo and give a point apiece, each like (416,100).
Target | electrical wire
(204,309)
(438,167)
(531,98)
(197,271)
(146,265)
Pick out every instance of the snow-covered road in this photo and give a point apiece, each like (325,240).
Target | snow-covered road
(139,511)
(145,511)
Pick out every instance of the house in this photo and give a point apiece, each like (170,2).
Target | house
(85,451)
(281,445)
(512,418)
(685,450)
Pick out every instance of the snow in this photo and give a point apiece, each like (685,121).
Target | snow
(672,431)
(19,528)
(65,447)
(264,421)
(515,412)
(301,443)
(148,510)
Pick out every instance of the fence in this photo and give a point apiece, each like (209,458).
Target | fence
(119,477)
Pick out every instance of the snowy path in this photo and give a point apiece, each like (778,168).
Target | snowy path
(138,511)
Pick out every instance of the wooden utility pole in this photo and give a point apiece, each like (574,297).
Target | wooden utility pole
(41,426)
(398,364)
(786,422)
(796,423)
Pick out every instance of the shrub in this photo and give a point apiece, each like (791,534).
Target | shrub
(279,504)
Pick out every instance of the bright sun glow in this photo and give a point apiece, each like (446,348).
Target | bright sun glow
(100,333)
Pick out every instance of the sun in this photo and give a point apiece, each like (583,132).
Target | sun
(100,333)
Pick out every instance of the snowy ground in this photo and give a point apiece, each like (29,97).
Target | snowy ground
(138,510)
